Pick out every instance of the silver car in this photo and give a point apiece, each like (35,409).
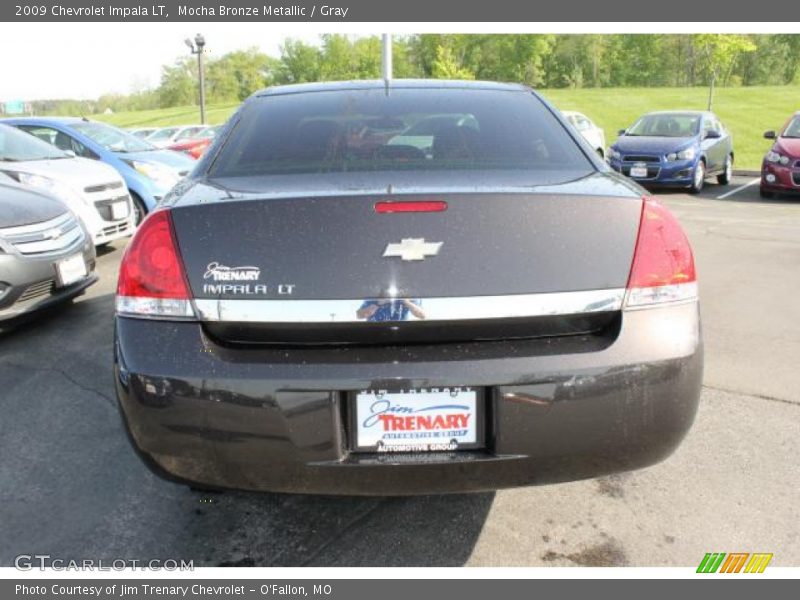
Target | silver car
(46,254)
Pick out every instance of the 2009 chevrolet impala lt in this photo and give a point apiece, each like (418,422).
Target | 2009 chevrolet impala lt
(405,287)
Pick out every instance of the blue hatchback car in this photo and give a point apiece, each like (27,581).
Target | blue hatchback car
(148,172)
(674,149)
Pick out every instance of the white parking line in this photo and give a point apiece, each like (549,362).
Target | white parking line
(739,189)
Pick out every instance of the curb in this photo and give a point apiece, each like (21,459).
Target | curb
(744,173)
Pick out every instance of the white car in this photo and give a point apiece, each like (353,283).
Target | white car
(91,189)
(169,135)
(590,132)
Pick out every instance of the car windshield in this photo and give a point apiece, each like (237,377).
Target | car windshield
(112,138)
(792,130)
(666,125)
(407,129)
(18,146)
(163,134)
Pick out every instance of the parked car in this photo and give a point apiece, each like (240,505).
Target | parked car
(166,136)
(143,132)
(780,169)
(505,312)
(196,145)
(148,172)
(593,134)
(46,254)
(93,191)
(674,148)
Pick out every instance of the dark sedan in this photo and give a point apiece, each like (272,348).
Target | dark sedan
(309,313)
(46,254)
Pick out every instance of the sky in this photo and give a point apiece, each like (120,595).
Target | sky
(85,60)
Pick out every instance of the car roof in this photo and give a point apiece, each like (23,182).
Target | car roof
(381,84)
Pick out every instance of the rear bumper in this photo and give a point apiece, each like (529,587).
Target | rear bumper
(276,419)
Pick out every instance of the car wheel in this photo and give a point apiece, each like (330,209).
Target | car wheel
(699,178)
(139,209)
(600,153)
(724,178)
(765,193)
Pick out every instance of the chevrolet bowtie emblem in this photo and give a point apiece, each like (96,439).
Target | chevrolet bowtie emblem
(412,249)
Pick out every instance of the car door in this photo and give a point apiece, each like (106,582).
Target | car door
(707,144)
(710,146)
(725,144)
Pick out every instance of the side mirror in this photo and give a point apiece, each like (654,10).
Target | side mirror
(70,153)
(621,132)
(770,135)
(712,134)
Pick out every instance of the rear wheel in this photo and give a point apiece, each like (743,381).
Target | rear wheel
(724,178)
(698,178)
(139,209)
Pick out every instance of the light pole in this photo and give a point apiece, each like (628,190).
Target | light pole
(197,48)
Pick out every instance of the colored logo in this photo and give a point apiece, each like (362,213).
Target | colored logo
(734,562)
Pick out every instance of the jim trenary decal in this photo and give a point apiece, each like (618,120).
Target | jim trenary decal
(240,281)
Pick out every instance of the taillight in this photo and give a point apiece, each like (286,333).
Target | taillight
(152,281)
(663,265)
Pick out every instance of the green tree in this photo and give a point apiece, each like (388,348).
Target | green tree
(300,62)
(446,66)
(178,84)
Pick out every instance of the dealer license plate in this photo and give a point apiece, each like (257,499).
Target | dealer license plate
(70,270)
(638,171)
(424,420)
(119,210)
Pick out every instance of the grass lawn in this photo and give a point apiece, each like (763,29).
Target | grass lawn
(746,111)
(162,117)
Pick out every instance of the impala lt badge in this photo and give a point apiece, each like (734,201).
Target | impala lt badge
(412,249)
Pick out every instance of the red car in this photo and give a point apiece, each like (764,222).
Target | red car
(780,170)
(196,145)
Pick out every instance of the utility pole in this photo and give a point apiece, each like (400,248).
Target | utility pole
(197,48)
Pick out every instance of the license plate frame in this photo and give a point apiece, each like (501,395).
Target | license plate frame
(473,397)
(70,270)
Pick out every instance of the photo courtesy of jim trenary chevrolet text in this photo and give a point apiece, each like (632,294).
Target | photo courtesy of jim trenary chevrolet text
(391,300)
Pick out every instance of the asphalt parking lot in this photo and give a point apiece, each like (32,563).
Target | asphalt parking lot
(71,487)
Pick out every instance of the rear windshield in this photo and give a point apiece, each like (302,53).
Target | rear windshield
(406,129)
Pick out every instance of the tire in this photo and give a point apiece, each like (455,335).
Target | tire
(139,209)
(698,178)
(724,178)
(765,193)
(600,153)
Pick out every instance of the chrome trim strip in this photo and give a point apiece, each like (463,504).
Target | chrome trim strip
(435,309)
